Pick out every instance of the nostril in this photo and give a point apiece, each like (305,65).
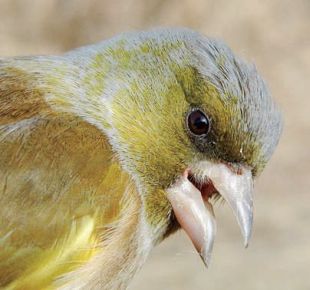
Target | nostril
(235,168)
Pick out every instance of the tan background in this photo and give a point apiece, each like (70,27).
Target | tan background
(276,34)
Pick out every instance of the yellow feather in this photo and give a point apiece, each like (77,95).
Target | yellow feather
(55,177)
(77,247)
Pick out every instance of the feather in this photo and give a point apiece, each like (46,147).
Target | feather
(61,188)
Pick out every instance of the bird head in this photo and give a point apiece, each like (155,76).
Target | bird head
(189,121)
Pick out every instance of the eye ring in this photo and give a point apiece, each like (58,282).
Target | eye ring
(198,123)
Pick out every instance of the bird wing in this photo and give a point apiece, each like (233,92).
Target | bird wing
(60,187)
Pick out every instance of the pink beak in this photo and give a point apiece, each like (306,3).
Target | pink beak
(195,213)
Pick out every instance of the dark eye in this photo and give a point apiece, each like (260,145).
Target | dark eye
(198,122)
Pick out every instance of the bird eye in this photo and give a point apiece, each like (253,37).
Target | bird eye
(198,123)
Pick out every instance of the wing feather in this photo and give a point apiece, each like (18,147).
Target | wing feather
(56,172)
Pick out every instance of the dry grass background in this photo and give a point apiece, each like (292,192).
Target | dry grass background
(276,34)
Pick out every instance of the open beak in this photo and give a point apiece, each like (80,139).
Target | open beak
(189,197)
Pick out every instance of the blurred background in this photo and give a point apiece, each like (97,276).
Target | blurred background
(274,34)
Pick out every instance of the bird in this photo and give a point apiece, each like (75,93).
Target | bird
(108,149)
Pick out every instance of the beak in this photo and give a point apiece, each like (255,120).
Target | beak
(194,212)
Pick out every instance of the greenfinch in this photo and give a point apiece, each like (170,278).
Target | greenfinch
(108,149)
